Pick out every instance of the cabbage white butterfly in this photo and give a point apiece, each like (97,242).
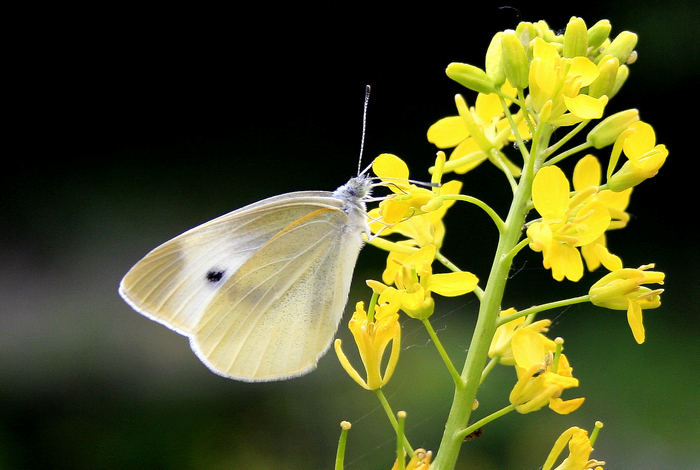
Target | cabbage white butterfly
(259,291)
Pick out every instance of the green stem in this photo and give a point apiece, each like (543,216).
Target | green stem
(464,433)
(542,308)
(516,249)
(489,367)
(568,153)
(392,418)
(446,262)
(438,345)
(460,412)
(340,454)
(400,458)
(564,140)
(481,204)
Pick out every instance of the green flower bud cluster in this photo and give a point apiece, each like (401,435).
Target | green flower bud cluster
(510,52)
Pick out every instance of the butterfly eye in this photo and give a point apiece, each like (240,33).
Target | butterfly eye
(214,276)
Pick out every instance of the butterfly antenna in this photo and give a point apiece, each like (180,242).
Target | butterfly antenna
(364,127)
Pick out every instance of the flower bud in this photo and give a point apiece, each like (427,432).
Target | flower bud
(598,33)
(622,46)
(471,77)
(605,83)
(525,32)
(608,130)
(622,73)
(514,60)
(575,38)
(545,32)
(494,61)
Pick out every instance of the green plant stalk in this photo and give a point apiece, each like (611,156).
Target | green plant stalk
(392,418)
(465,391)
(340,455)
(543,307)
(486,420)
(438,345)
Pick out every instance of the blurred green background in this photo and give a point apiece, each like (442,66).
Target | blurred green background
(130,124)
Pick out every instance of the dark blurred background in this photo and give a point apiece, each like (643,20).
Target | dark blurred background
(126,125)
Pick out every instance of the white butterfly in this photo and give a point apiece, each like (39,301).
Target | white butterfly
(259,291)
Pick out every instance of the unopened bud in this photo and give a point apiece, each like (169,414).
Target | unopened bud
(494,61)
(622,73)
(471,77)
(608,130)
(605,83)
(525,32)
(598,33)
(575,38)
(514,60)
(622,46)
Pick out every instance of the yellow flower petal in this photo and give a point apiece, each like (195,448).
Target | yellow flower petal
(564,407)
(447,132)
(583,67)
(452,284)
(587,173)
(550,192)
(634,318)
(586,107)
(390,166)
(565,262)
(528,348)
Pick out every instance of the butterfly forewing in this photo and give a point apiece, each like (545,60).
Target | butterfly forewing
(168,284)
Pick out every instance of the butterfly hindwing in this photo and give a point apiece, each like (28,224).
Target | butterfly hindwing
(277,314)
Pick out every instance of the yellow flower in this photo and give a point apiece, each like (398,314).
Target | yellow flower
(420,461)
(543,375)
(580,449)
(622,289)
(588,173)
(501,342)
(644,157)
(478,133)
(566,223)
(555,85)
(414,280)
(414,212)
(372,336)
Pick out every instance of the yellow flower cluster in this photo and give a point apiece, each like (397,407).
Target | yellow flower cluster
(415,213)
(414,280)
(543,372)
(569,79)
(566,223)
(478,133)
(535,80)
(580,448)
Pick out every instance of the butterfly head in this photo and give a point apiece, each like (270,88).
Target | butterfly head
(356,189)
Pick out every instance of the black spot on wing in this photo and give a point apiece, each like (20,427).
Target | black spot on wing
(215,275)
